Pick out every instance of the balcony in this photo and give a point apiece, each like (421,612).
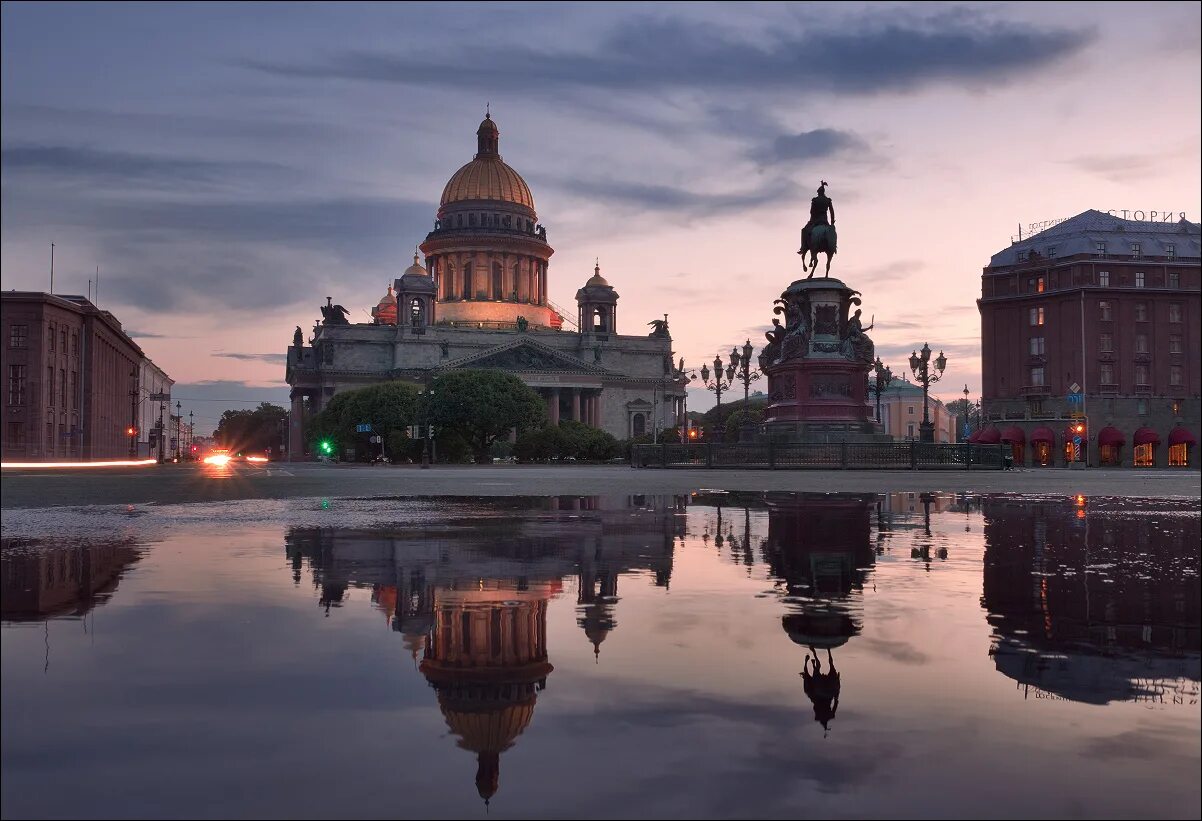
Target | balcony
(1106,387)
(1035,390)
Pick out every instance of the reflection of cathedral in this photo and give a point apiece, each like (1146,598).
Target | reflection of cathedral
(60,581)
(480,300)
(471,595)
(1092,603)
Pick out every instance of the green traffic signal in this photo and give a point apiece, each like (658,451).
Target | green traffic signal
(327,447)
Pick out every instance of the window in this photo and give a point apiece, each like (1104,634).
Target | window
(16,384)
(1175,375)
(467,280)
(1139,279)
(498,288)
(1174,343)
(62,387)
(1141,343)
(1040,284)
(1106,373)
(1051,252)
(1136,252)
(50,384)
(1176,408)
(1104,279)
(1023,256)
(1174,279)
(1036,316)
(1143,456)
(50,337)
(1174,312)
(18,336)
(1179,455)
(74,391)
(1141,407)
(1037,346)
(1037,376)
(1141,374)
(16,433)
(1141,312)
(1099,249)
(910,410)
(75,343)
(1104,310)
(910,430)
(1106,343)
(1170,250)
(62,336)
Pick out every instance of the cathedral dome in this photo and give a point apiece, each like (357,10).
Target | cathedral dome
(487,177)
(416,269)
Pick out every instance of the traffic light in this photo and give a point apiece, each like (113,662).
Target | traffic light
(326,446)
(131,431)
(1079,428)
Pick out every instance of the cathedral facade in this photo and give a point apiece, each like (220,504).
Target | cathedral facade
(479,300)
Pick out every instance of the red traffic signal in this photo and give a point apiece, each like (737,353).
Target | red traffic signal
(131,431)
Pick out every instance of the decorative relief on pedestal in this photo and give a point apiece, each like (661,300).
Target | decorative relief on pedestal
(827,347)
(830,386)
(826,320)
(781,388)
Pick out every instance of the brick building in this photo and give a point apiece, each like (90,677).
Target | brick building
(70,373)
(1113,307)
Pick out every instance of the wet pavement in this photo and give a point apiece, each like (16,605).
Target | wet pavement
(706,654)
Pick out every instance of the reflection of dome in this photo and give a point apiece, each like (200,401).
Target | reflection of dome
(487,177)
(487,726)
(820,628)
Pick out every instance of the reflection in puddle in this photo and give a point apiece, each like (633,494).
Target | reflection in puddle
(646,630)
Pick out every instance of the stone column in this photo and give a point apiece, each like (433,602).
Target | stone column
(575,404)
(554,409)
(296,442)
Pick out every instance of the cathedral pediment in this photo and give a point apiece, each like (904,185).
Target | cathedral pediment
(526,356)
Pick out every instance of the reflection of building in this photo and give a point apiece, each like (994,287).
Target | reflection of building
(1111,305)
(470,594)
(480,300)
(70,373)
(1094,606)
(60,581)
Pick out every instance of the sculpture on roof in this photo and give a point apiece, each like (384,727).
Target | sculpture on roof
(659,327)
(334,314)
(298,337)
(818,235)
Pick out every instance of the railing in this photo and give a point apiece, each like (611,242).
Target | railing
(834,456)
(1036,390)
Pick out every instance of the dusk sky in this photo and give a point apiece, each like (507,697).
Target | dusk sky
(229,166)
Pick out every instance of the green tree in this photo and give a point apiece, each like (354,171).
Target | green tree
(483,406)
(252,431)
(389,408)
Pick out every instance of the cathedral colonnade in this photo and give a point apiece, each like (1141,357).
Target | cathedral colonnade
(578,404)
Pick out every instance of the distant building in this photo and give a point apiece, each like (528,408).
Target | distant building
(1108,305)
(901,412)
(153,382)
(72,376)
(479,299)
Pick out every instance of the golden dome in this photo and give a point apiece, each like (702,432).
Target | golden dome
(487,177)
(596,279)
(388,299)
(416,269)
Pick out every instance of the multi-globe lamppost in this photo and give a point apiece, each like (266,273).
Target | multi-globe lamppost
(743,371)
(718,384)
(884,376)
(920,364)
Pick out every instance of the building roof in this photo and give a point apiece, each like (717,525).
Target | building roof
(487,177)
(78,304)
(1080,235)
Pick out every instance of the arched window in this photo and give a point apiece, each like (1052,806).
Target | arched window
(417,311)
(638,425)
(599,319)
(498,287)
(467,281)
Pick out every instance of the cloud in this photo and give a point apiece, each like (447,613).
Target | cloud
(148,335)
(850,55)
(809,145)
(274,358)
(89,166)
(667,198)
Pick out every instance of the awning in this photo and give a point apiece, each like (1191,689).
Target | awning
(989,436)
(1111,435)
(1043,435)
(974,437)
(1014,435)
(1146,436)
(1181,436)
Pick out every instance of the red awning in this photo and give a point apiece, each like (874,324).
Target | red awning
(1181,436)
(1014,435)
(1043,435)
(1111,435)
(974,437)
(1146,436)
(989,436)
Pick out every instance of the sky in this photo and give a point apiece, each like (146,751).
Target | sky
(226,167)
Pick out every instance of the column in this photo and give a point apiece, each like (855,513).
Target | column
(296,443)
(575,404)
(554,410)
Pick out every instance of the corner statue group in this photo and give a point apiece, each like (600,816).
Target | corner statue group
(818,234)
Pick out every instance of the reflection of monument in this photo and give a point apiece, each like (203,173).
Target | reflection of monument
(817,362)
(60,581)
(1093,606)
(820,546)
(470,592)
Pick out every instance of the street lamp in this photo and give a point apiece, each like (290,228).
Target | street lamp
(920,364)
(427,397)
(744,372)
(718,384)
(178,412)
(884,376)
(191,435)
(965,429)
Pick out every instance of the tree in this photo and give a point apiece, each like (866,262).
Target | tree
(254,431)
(483,406)
(389,408)
(957,408)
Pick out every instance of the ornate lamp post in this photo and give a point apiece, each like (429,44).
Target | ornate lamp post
(178,411)
(965,429)
(718,384)
(191,436)
(920,364)
(884,376)
(744,371)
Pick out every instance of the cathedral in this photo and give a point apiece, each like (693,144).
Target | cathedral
(480,300)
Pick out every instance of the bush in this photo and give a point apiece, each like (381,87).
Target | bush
(574,439)
(388,407)
(481,407)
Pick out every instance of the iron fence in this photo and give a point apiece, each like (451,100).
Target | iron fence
(827,456)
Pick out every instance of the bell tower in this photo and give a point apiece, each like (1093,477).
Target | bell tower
(597,302)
